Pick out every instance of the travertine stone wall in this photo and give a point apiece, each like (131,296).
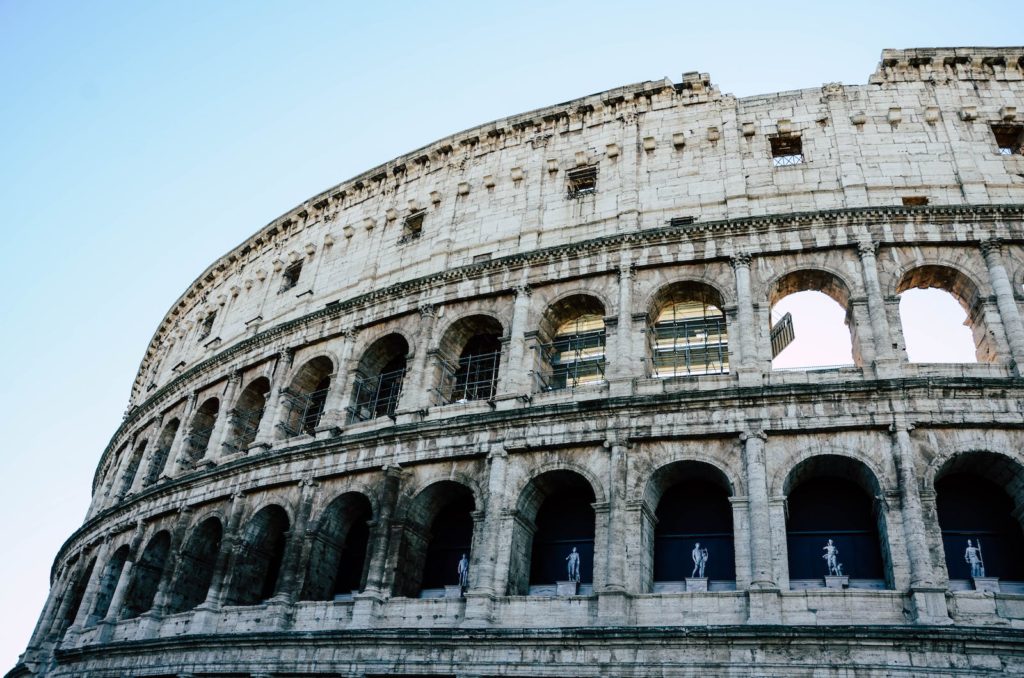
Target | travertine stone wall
(504,245)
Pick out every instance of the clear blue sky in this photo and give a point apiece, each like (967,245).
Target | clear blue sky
(141,140)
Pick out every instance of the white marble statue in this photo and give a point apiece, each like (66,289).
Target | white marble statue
(973,558)
(831,556)
(573,565)
(464,571)
(700,559)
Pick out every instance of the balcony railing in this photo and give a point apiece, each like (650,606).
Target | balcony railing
(245,424)
(689,347)
(472,377)
(376,396)
(572,361)
(302,411)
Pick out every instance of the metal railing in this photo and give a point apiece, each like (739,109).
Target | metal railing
(245,425)
(472,377)
(572,361)
(197,441)
(376,396)
(689,347)
(302,411)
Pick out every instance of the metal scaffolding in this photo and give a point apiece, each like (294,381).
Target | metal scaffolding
(471,377)
(376,396)
(576,356)
(302,411)
(689,338)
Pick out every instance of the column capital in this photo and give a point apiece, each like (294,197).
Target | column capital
(522,289)
(428,311)
(626,270)
(741,260)
(350,333)
(759,434)
(287,356)
(867,249)
(991,247)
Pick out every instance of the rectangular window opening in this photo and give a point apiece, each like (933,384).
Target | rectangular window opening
(787,150)
(915,201)
(291,276)
(582,182)
(207,326)
(681,221)
(412,227)
(1009,139)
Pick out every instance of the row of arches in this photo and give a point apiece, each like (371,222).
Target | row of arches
(828,497)
(687,330)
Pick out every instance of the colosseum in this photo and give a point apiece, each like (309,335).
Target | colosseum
(507,406)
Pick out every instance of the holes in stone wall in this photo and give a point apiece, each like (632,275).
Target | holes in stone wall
(378,380)
(146,575)
(581,182)
(247,414)
(302,403)
(1009,138)
(818,305)
(787,150)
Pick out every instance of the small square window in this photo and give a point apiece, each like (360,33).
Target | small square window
(207,327)
(412,227)
(291,276)
(582,182)
(1009,139)
(914,201)
(786,150)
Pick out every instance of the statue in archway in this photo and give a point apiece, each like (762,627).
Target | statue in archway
(573,565)
(973,558)
(831,557)
(464,571)
(700,559)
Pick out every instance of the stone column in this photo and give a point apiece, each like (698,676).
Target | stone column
(57,604)
(621,363)
(172,568)
(292,573)
(334,415)
(222,427)
(174,460)
(415,386)
(225,556)
(515,381)
(745,329)
(89,597)
(883,341)
(368,602)
(483,573)
(761,569)
(266,433)
(1008,312)
(121,588)
(612,600)
(929,600)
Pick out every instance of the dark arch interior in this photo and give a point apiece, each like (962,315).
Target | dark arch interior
(693,511)
(565,519)
(379,377)
(450,537)
(146,576)
(972,507)
(195,571)
(77,592)
(474,376)
(303,401)
(247,414)
(258,564)
(337,557)
(202,429)
(160,452)
(438,530)
(107,584)
(824,508)
(133,467)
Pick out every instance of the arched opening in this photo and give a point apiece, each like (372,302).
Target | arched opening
(337,557)
(146,576)
(811,322)
(195,569)
(976,496)
(258,563)
(437,531)
(110,469)
(248,412)
(831,498)
(77,593)
(468,356)
(133,467)
(107,584)
(571,343)
(943,317)
(163,448)
(693,513)
(198,439)
(378,379)
(303,401)
(556,515)
(687,335)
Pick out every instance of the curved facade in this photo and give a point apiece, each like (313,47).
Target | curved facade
(554,332)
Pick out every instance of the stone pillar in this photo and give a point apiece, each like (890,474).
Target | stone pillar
(929,600)
(482,576)
(885,361)
(1008,312)
(761,568)
(334,415)
(621,364)
(121,588)
(515,380)
(266,433)
(175,463)
(416,384)
(222,427)
(89,597)
(612,600)
(292,572)
(745,329)
(57,604)
(368,602)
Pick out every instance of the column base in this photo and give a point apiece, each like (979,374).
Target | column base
(620,388)
(105,631)
(366,609)
(479,609)
(749,377)
(764,606)
(928,605)
(613,608)
(204,619)
(567,588)
(986,584)
(887,368)
(696,585)
(837,582)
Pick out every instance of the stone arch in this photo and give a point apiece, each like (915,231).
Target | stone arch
(76,589)
(826,280)
(108,583)
(979,493)
(379,376)
(437,528)
(257,564)
(304,399)
(839,498)
(196,562)
(246,415)
(686,329)
(468,358)
(134,461)
(146,574)
(161,450)
(554,514)
(572,338)
(967,291)
(880,481)
(338,555)
(200,430)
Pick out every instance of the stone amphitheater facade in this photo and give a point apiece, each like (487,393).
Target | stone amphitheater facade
(554,331)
